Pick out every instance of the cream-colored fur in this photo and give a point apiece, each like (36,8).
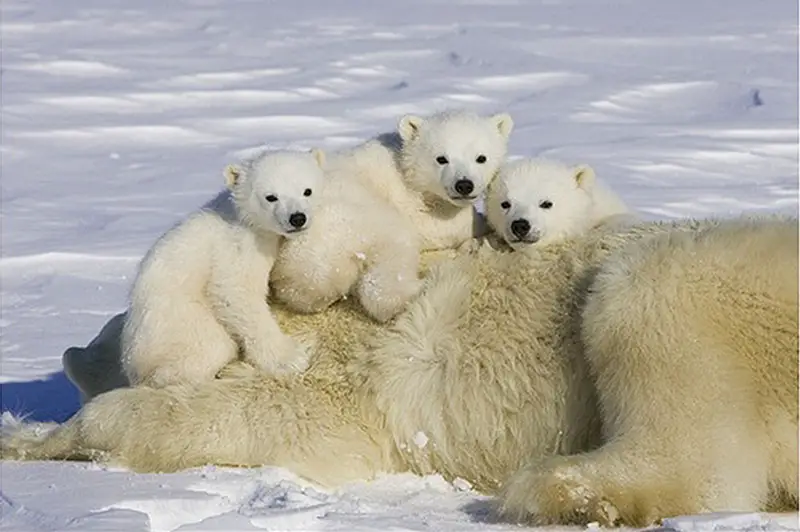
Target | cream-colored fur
(693,340)
(383,202)
(386,201)
(539,201)
(489,339)
(417,170)
(358,244)
(482,375)
(199,296)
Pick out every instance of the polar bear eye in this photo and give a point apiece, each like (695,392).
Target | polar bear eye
(442,160)
(271,198)
(307,192)
(506,205)
(480,159)
(546,204)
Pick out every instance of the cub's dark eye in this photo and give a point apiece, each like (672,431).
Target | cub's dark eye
(506,205)
(271,198)
(307,192)
(442,160)
(480,159)
(546,204)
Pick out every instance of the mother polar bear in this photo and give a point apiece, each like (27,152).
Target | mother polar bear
(688,330)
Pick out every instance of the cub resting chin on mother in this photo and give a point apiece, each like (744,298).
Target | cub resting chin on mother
(621,376)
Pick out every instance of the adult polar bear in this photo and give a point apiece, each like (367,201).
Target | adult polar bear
(692,342)
(489,364)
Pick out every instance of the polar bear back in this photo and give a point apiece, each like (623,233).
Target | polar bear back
(205,241)
(373,165)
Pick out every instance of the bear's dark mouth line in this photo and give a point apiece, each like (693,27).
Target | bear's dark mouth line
(463,198)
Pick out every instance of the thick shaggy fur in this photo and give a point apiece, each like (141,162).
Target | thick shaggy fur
(358,245)
(692,340)
(199,296)
(540,201)
(386,201)
(487,364)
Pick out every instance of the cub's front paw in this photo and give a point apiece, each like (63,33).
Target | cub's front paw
(279,357)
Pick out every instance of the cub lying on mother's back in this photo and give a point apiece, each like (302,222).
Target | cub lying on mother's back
(200,293)
(384,202)
(539,201)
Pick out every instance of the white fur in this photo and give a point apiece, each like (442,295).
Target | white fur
(687,331)
(384,202)
(200,293)
(539,201)
(402,169)
(358,244)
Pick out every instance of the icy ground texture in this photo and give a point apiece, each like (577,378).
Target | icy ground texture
(118,117)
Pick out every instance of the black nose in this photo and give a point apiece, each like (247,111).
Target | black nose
(464,187)
(297,219)
(520,227)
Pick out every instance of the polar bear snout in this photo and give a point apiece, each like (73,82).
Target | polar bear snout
(464,187)
(520,227)
(523,232)
(297,219)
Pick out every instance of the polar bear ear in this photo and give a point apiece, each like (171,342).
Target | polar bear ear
(232,175)
(504,124)
(584,176)
(319,156)
(408,127)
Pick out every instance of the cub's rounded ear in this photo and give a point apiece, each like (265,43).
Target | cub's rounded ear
(319,156)
(232,175)
(584,176)
(408,127)
(504,124)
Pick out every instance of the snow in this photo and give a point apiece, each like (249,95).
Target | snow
(119,116)
(420,439)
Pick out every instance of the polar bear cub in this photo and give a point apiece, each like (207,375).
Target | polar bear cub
(384,202)
(431,170)
(358,245)
(539,201)
(200,296)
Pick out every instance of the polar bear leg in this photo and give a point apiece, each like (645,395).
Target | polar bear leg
(391,281)
(245,314)
(183,342)
(313,278)
(237,422)
(693,344)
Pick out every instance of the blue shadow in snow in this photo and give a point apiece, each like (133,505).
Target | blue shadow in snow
(53,398)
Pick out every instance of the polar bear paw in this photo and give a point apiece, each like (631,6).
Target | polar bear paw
(282,356)
(557,492)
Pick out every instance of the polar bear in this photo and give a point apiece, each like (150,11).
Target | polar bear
(386,201)
(360,245)
(430,171)
(486,374)
(199,296)
(692,341)
(539,201)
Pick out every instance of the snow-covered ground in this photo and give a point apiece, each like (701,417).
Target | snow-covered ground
(119,115)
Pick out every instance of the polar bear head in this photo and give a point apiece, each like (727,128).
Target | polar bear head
(539,201)
(453,155)
(277,190)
